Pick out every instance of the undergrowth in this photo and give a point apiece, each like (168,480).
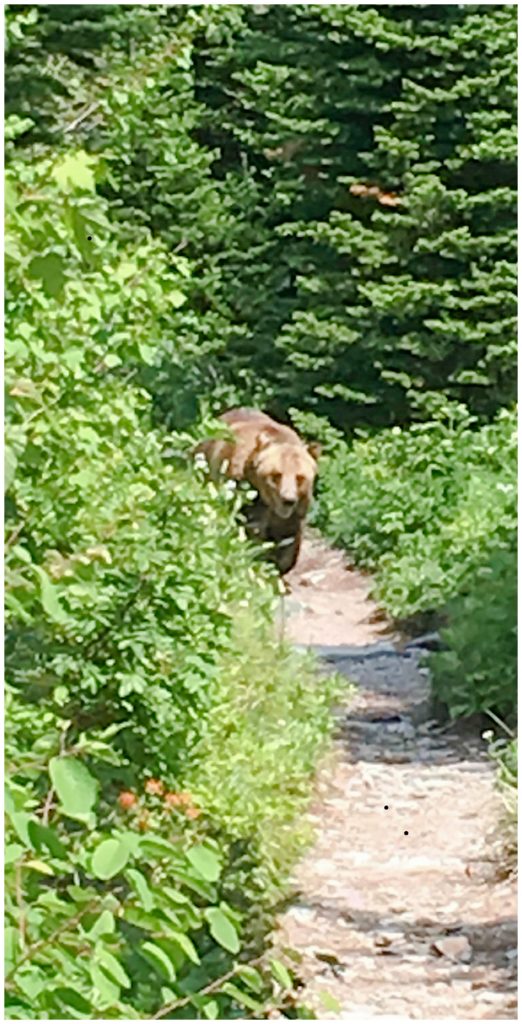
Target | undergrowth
(161,740)
(431,511)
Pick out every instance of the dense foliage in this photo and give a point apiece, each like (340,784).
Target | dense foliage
(382,142)
(342,176)
(305,207)
(431,509)
(149,703)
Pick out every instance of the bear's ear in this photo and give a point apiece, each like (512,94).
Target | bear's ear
(264,438)
(315,449)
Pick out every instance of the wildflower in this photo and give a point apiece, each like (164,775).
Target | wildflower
(172,800)
(193,812)
(126,799)
(185,799)
(154,786)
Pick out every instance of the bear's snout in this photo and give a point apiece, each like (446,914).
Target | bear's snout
(288,504)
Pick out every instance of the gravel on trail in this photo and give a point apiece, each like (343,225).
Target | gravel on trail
(399,910)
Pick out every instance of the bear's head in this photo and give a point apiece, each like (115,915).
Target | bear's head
(283,473)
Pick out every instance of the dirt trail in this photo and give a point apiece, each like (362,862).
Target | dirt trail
(404,925)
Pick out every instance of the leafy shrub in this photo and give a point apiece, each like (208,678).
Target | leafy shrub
(432,511)
(423,506)
(113,907)
(126,574)
(479,671)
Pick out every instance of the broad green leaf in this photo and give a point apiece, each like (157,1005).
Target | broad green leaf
(147,353)
(10,464)
(71,997)
(205,862)
(281,974)
(155,846)
(13,851)
(175,896)
(39,865)
(104,925)
(20,822)
(241,997)
(109,858)
(159,959)
(43,835)
(222,930)
(140,885)
(125,270)
(75,786)
(111,360)
(48,269)
(113,968)
(11,944)
(177,298)
(32,981)
(74,171)
(79,226)
(10,195)
(211,1010)
(131,842)
(137,916)
(251,977)
(186,945)
(109,992)
(49,597)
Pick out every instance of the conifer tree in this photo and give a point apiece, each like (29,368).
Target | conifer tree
(382,143)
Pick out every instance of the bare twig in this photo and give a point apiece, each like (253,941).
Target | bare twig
(81,117)
(501,723)
(212,987)
(181,245)
(46,810)
(15,534)
(50,939)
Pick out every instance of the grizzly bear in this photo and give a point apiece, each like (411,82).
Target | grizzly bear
(279,466)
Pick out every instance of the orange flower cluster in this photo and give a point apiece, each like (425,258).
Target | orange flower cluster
(154,787)
(127,800)
(184,802)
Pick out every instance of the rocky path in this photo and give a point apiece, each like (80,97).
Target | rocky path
(399,912)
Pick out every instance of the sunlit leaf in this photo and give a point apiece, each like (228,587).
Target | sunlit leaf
(109,858)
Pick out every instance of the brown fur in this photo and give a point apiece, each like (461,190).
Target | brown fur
(279,466)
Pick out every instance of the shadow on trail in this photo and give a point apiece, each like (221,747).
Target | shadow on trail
(391,715)
(491,942)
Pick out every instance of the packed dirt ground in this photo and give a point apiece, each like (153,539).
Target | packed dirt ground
(400,908)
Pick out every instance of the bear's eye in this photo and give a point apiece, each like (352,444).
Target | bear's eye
(300,480)
(275,478)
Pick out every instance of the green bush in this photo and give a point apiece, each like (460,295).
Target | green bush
(423,506)
(479,671)
(431,510)
(140,654)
